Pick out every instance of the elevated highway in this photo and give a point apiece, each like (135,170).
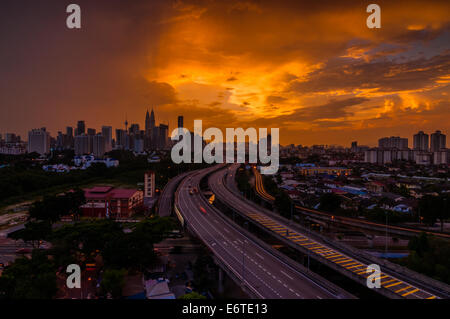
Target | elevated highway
(261,270)
(347,261)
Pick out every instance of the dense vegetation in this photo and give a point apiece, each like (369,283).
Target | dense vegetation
(24,178)
(79,243)
(430,256)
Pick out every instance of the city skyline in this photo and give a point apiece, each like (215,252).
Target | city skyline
(409,139)
(320,75)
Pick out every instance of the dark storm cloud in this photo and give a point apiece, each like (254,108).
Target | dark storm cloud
(385,76)
(334,109)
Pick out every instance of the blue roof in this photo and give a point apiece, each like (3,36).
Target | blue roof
(140,295)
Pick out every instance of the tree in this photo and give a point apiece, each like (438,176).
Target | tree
(52,208)
(33,278)
(113,281)
(283,204)
(429,255)
(434,208)
(136,249)
(202,278)
(33,232)
(87,237)
(192,295)
(330,202)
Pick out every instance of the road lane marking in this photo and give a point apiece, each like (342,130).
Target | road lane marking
(410,292)
(286,275)
(397,291)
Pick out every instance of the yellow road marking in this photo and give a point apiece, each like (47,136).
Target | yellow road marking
(352,263)
(343,261)
(392,285)
(410,292)
(384,283)
(403,289)
(355,266)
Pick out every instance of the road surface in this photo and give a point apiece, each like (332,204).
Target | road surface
(261,271)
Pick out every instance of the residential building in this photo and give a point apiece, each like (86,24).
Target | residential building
(39,141)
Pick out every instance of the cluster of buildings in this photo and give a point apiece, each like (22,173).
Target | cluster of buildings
(306,183)
(395,148)
(118,203)
(87,141)
(12,144)
(81,162)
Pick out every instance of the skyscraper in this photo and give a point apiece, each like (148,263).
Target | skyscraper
(152,120)
(69,131)
(163,136)
(81,128)
(180,121)
(39,141)
(98,147)
(421,141)
(134,129)
(81,145)
(438,141)
(121,139)
(393,142)
(107,134)
(147,124)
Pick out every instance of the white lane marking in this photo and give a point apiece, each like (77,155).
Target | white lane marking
(259,255)
(286,275)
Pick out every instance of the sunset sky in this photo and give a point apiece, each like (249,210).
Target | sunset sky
(311,68)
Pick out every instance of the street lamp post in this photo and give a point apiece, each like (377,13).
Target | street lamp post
(386,241)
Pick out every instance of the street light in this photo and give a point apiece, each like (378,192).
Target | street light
(386,236)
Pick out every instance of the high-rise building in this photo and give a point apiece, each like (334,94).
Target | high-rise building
(438,141)
(81,145)
(107,134)
(421,141)
(393,142)
(39,141)
(98,146)
(163,138)
(91,133)
(121,139)
(69,131)
(12,138)
(134,129)
(149,184)
(152,120)
(180,121)
(81,128)
(147,124)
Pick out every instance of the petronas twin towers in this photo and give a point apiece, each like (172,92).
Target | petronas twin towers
(149,123)
(156,136)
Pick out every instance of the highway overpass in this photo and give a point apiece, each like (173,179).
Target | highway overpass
(396,282)
(262,271)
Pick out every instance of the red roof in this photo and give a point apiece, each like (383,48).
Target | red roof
(100,192)
(100,189)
